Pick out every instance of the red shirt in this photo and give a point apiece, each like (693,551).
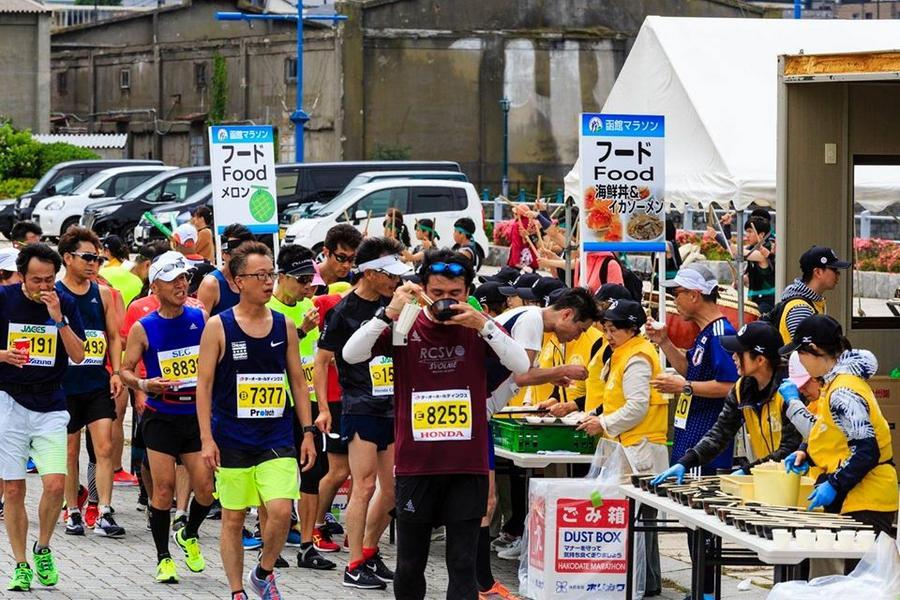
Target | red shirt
(324,304)
(440,370)
(139,309)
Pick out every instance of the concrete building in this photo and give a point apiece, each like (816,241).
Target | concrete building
(25,64)
(415,78)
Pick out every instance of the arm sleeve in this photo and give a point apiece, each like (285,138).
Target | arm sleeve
(796,314)
(636,387)
(801,419)
(360,345)
(511,353)
(718,437)
(851,414)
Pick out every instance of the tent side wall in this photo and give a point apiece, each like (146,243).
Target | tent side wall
(815,199)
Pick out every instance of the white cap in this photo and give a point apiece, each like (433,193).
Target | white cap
(168,266)
(694,277)
(390,264)
(8,258)
(796,372)
(185,235)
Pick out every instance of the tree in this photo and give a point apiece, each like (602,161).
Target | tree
(219,90)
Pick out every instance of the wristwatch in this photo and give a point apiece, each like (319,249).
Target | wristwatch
(489,329)
(688,388)
(310,429)
(382,316)
(61,324)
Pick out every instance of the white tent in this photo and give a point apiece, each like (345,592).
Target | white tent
(715,80)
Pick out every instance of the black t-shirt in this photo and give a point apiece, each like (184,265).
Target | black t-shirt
(367,387)
(761,280)
(21,317)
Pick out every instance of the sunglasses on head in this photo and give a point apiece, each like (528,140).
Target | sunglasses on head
(89,257)
(454,269)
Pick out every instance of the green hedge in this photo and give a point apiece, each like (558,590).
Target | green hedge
(21,157)
(13,188)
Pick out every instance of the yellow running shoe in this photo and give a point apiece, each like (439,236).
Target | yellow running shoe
(193,557)
(165,571)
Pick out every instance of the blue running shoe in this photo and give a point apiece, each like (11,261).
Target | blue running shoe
(251,542)
(332,525)
(264,588)
(293,539)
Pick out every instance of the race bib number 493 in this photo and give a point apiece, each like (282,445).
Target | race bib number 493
(43,340)
(442,415)
(94,348)
(260,396)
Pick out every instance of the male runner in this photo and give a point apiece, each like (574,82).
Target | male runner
(368,415)
(339,254)
(218,291)
(168,343)
(246,423)
(441,426)
(33,402)
(90,390)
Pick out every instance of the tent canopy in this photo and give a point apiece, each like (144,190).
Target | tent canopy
(716,81)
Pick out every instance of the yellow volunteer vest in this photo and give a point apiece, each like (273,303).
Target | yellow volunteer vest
(819,307)
(530,392)
(655,424)
(554,354)
(763,427)
(828,448)
(594,386)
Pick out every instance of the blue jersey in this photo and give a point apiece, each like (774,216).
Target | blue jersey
(250,407)
(91,374)
(227,298)
(173,348)
(707,361)
(38,385)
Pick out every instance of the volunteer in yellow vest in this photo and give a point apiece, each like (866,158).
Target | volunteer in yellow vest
(634,414)
(850,439)
(820,272)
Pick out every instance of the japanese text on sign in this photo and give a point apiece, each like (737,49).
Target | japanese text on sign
(591,539)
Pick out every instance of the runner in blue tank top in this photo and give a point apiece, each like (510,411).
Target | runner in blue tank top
(247,355)
(218,291)
(168,342)
(90,390)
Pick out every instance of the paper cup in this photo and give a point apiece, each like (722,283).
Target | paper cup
(865,540)
(782,538)
(806,538)
(845,540)
(824,539)
(408,316)
(23,345)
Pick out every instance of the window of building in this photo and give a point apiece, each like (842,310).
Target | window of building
(868,15)
(125,79)
(62,83)
(200,75)
(290,70)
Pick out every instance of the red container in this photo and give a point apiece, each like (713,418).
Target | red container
(23,345)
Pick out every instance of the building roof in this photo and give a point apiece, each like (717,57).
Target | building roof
(22,6)
(84,140)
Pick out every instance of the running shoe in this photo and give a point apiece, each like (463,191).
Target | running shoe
(74,524)
(264,588)
(376,566)
(322,542)
(143,502)
(293,539)
(166,571)
(498,591)
(240,596)
(439,534)
(332,525)
(193,557)
(149,526)
(30,466)
(215,511)
(1,510)
(91,513)
(45,566)
(251,542)
(21,579)
(362,578)
(513,552)
(309,558)
(179,522)
(106,526)
(280,563)
(123,478)
(503,541)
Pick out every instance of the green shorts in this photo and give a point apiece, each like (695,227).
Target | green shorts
(240,488)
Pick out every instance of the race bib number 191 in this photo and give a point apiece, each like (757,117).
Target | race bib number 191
(43,342)
(260,396)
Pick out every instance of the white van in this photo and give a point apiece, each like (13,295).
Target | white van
(443,201)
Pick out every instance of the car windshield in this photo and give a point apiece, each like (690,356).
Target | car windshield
(147,185)
(196,197)
(358,180)
(44,180)
(334,204)
(85,186)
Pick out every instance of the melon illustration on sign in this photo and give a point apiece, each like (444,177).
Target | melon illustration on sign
(262,204)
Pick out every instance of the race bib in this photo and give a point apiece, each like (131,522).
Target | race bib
(260,396)
(43,340)
(180,364)
(307,363)
(381,371)
(682,409)
(442,415)
(94,349)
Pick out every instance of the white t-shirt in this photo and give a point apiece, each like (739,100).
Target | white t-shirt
(528,330)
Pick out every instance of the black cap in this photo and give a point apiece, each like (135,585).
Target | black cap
(506,275)
(524,280)
(114,244)
(612,291)
(822,258)
(758,336)
(301,267)
(540,290)
(555,295)
(814,329)
(492,292)
(627,311)
(412,277)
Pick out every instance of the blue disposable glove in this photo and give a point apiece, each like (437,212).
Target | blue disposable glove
(739,472)
(823,495)
(676,471)
(791,466)
(789,391)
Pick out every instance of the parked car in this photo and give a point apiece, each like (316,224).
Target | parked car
(443,201)
(171,214)
(64,177)
(119,215)
(56,213)
(7,215)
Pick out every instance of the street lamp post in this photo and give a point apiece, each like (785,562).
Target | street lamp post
(504,181)
(299,117)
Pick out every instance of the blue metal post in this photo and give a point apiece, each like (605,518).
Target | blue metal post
(798,9)
(299,116)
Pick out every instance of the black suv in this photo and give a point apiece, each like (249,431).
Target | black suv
(120,215)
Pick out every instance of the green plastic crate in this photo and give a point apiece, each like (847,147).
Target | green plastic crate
(525,437)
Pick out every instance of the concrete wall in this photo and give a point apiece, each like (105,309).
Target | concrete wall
(25,70)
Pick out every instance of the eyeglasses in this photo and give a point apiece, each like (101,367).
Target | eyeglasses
(89,257)
(454,269)
(302,279)
(270,276)
(342,258)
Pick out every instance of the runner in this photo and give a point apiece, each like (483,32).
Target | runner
(339,255)
(368,416)
(441,426)
(246,433)
(201,219)
(114,271)
(90,390)
(168,343)
(24,233)
(218,291)
(33,403)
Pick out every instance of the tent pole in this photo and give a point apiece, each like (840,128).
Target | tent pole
(570,230)
(739,266)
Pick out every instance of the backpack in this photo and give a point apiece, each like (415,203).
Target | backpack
(773,317)
(630,280)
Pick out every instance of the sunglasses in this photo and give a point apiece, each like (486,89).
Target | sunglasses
(343,258)
(172,266)
(454,269)
(302,279)
(89,257)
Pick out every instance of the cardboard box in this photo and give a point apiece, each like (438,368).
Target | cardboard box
(887,393)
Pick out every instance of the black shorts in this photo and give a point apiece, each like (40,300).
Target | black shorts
(378,430)
(336,445)
(170,434)
(89,407)
(441,499)
(233,458)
